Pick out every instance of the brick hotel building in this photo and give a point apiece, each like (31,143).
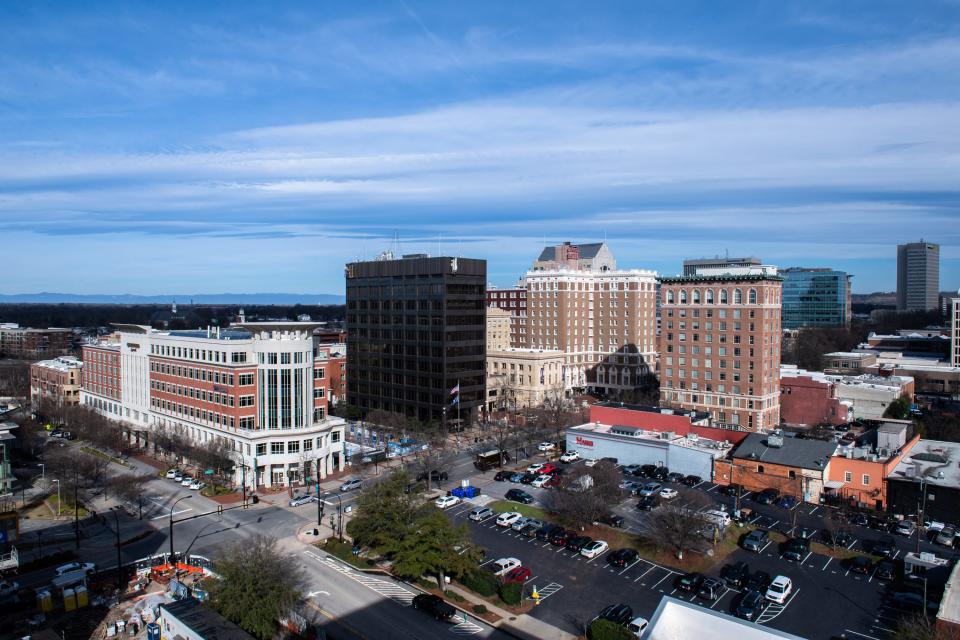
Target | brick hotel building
(720,346)
(261,387)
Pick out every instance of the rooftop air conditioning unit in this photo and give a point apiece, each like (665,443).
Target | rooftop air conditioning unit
(775,440)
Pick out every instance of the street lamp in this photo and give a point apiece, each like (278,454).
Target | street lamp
(172,507)
(339,530)
(116,519)
(58,496)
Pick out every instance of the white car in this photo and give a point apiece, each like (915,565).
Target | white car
(637,626)
(541,481)
(300,499)
(196,485)
(570,456)
(88,567)
(546,446)
(507,519)
(668,494)
(594,549)
(6,588)
(534,468)
(780,589)
(186,482)
(591,462)
(445,502)
(504,565)
(172,474)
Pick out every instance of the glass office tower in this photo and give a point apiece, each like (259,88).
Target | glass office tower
(815,298)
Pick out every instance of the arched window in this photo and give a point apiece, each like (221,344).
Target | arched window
(723,296)
(752,296)
(683,296)
(669,296)
(696,296)
(737,296)
(708,296)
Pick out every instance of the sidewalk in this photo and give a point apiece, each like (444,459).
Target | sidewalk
(522,625)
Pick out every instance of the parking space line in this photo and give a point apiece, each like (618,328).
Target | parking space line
(712,488)
(628,566)
(812,511)
(662,579)
(809,553)
(862,635)
(717,601)
(769,542)
(829,560)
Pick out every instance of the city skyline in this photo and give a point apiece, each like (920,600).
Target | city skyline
(261,149)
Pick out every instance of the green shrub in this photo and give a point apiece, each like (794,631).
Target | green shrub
(605,630)
(453,595)
(481,582)
(479,608)
(511,593)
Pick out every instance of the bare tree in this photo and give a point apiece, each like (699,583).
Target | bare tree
(433,463)
(583,498)
(558,410)
(922,627)
(130,487)
(678,525)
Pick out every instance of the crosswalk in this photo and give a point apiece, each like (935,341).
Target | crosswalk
(549,590)
(466,628)
(386,588)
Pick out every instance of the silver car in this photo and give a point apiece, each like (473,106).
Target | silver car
(350,485)
(298,500)
(946,536)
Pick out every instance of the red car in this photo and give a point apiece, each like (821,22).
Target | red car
(548,467)
(518,575)
(553,482)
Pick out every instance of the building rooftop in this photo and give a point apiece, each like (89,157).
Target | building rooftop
(222,334)
(528,351)
(667,411)
(791,452)
(675,619)
(204,621)
(720,277)
(63,363)
(950,603)
(933,461)
(587,251)
(854,355)
(864,380)
(716,448)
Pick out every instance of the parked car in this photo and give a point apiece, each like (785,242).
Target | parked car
(561,538)
(301,499)
(690,582)
(350,485)
(711,589)
(87,567)
(178,477)
(518,495)
(541,481)
(788,502)
(631,486)
(750,606)
(650,489)
(860,564)
(8,587)
(172,473)
(547,531)
(648,503)
(570,456)
(508,518)
(637,626)
(502,476)
(577,543)
(516,476)
(906,528)
(886,548)
(796,549)
(946,536)
(756,540)
(196,485)
(479,514)
(628,470)
(767,496)
(445,502)
(780,589)
(433,605)
(617,613)
(886,570)
(622,557)
(529,527)
(187,481)
(759,581)
(546,446)
(674,476)
(435,476)
(520,523)
(611,520)
(536,467)
(503,566)
(594,549)
(733,490)
(668,494)
(913,602)
(859,519)
(528,478)
(735,575)
(660,473)
(646,470)
(518,575)
(692,481)
(882,523)
(590,462)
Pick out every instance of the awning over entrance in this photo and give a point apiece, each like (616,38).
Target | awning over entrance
(834,484)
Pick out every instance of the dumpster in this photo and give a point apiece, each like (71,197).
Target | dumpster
(83,596)
(153,631)
(69,600)
(44,601)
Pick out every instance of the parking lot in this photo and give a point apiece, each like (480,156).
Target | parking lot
(827,598)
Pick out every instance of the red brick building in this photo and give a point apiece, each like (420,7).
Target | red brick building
(101,377)
(807,400)
(34,344)
(515,301)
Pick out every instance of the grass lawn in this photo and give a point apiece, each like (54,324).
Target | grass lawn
(66,508)
(501,506)
(344,551)
(105,456)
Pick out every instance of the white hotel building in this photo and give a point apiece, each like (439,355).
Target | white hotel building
(259,386)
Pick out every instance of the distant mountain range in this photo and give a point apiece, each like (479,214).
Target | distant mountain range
(185,299)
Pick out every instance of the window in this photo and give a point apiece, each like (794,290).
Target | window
(723,297)
(696,296)
(708,296)
(318,374)
(276,447)
(759,466)
(791,474)
(848,476)
(669,297)
(246,379)
(737,296)
(246,401)
(293,446)
(752,296)
(335,436)
(866,479)
(262,449)
(683,296)
(308,445)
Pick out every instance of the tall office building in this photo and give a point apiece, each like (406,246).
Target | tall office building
(416,329)
(918,276)
(694,266)
(602,318)
(816,298)
(720,346)
(955,331)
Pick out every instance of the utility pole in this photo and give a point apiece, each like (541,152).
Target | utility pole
(76,506)
(923,506)
(116,519)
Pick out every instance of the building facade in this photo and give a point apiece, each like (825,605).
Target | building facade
(251,386)
(809,400)
(498,329)
(696,266)
(720,347)
(955,332)
(34,344)
(577,257)
(858,472)
(918,276)
(515,301)
(416,330)
(330,362)
(56,380)
(816,298)
(519,378)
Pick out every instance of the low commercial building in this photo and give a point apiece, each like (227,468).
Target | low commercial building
(56,380)
(812,397)
(848,362)
(858,472)
(518,378)
(675,618)
(794,466)
(948,617)
(927,481)
(190,620)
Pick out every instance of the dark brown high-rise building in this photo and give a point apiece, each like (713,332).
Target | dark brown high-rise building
(416,329)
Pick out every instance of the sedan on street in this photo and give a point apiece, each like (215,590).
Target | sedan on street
(433,605)
(350,485)
(298,500)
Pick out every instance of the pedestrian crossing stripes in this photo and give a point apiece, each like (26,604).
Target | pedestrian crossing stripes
(385,588)
(549,590)
(466,628)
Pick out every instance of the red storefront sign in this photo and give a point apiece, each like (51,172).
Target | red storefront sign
(584,442)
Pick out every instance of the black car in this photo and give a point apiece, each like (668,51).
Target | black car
(913,602)
(503,476)
(611,520)
(767,496)
(648,503)
(796,549)
(859,519)
(885,548)
(660,473)
(692,481)
(756,540)
(529,477)
(647,470)
(617,613)
(435,476)
(860,564)
(519,495)
(546,532)
(622,557)
(750,606)
(434,605)
(886,570)
(759,581)
(674,476)
(561,538)
(837,538)
(690,582)
(711,589)
(733,490)
(735,575)
(882,524)
(577,543)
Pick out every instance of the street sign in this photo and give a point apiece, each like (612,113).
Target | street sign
(208,472)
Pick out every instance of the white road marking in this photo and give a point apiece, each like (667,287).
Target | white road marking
(661,580)
(812,511)
(862,635)
(829,560)
(769,542)
(628,566)
(175,513)
(809,553)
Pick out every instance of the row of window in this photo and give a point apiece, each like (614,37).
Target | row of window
(187,411)
(295,357)
(203,395)
(295,446)
(723,297)
(203,375)
(203,355)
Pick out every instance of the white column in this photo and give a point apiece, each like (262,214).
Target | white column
(322,466)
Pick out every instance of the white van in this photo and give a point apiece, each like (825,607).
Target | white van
(717,517)
(479,514)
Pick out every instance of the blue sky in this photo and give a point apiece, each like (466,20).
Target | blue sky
(182,147)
